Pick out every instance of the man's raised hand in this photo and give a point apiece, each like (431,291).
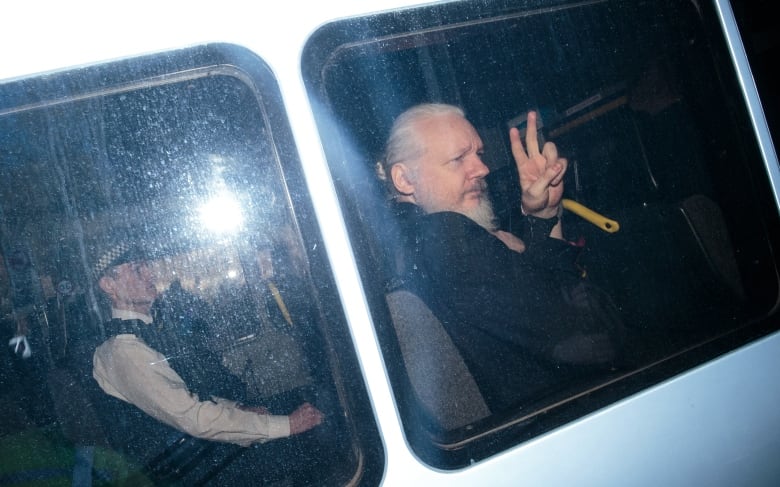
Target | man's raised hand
(541,172)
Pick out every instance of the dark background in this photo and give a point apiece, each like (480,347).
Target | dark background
(758,24)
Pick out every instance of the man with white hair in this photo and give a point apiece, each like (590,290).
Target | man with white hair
(516,306)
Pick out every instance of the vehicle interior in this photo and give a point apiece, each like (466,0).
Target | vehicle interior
(189,157)
(637,100)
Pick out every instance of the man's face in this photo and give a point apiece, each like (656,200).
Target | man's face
(131,286)
(449,175)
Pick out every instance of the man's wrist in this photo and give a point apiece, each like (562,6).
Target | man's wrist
(536,229)
(544,214)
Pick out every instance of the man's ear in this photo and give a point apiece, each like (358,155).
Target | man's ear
(402,179)
(106,284)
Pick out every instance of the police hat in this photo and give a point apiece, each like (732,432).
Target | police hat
(116,254)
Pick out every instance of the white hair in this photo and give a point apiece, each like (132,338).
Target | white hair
(404,143)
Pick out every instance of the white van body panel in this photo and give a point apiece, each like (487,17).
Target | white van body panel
(716,425)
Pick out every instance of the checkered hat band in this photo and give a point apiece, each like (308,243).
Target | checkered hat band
(118,254)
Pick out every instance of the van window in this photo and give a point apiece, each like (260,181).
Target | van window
(642,100)
(187,158)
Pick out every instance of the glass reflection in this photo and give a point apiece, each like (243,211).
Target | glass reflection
(187,170)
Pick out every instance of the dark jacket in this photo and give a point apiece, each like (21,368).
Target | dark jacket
(505,311)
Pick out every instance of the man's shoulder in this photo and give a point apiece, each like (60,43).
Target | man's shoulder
(122,333)
(451,218)
(405,211)
(452,228)
(125,348)
(413,214)
(120,340)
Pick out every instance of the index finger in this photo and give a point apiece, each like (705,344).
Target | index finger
(518,151)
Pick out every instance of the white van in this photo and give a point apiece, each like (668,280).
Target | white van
(239,140)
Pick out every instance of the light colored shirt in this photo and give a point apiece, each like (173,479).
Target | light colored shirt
(128,369)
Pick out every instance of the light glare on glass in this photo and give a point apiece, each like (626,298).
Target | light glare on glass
(222,214)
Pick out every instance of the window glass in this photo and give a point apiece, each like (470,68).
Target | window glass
(642,101)
(176,171)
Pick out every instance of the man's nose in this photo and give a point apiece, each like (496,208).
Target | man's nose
(478,168)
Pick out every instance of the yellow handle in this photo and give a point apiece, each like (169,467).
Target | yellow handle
(586,213)
(280,302)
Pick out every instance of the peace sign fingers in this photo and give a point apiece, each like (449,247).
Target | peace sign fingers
(531,135)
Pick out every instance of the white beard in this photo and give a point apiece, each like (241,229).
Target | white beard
(483,215)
